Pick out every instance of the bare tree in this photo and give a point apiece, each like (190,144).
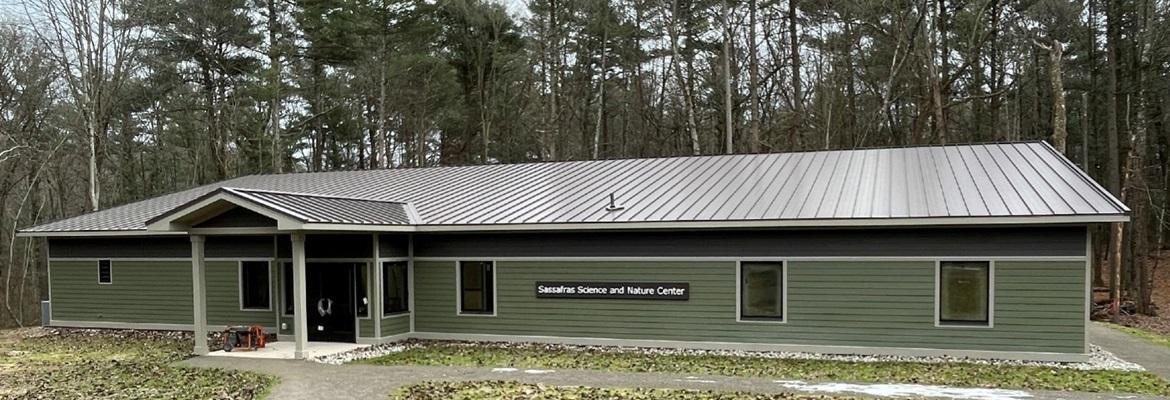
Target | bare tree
(96,54)
(1059,118)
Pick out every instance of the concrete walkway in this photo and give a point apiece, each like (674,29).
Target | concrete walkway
(307,380)
(1154,358)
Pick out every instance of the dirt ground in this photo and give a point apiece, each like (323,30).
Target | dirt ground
(1161,298)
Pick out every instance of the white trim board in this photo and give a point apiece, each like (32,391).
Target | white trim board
(754,258)
(240,284)
(938,323)
(120,325)
(820,349)
(459,290)
(783,295)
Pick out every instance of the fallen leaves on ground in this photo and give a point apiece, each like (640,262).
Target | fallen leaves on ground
(101,364)
(953,374)
(502,390)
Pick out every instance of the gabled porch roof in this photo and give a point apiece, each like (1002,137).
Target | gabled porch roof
(290,211)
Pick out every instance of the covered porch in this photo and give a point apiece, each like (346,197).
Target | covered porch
(330,274)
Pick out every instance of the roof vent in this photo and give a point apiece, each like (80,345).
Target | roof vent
(613,206)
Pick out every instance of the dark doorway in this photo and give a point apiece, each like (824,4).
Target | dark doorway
(329,291)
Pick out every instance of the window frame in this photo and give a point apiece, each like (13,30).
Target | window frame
(240,284)
(110,264)
(382,288)
(459,290)
(783,293)
(939,322)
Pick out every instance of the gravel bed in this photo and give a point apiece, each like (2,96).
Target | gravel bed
(1099,359)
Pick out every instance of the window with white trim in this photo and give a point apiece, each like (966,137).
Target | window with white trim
(761,291)
(105,272)
(476,287)
(395,288)
(255,293)
(964,293)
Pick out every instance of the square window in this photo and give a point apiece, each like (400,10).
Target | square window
(761,291)
(964,293)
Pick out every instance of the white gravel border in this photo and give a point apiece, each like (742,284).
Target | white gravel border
(1099,359)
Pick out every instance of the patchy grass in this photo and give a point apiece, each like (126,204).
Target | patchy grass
(1152,337)
(93,364)
(498,390)
(953,374)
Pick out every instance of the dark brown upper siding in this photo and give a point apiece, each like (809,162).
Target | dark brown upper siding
(393,245)
(238,217)
(160,247)
(330,246)
(1064,241)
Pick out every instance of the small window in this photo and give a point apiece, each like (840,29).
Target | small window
(288,289)
(964,293)
(361,292)
(254,289)
(476,287)
(761,291)
(105,272)
(395,298)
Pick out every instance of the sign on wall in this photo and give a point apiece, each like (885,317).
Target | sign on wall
(614,290)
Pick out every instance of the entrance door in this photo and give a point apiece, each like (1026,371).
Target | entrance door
(329,289)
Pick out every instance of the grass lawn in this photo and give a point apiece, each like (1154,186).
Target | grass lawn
(37,364)
(493,390)
(1152,337)
(954,374)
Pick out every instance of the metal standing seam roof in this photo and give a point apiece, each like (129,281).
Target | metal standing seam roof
(320,209)
(975,183)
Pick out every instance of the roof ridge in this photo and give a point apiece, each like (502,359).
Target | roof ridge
(436,167)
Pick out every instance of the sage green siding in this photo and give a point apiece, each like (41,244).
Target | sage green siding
(396,324)
(223,297)
(153,292)
(1039,305)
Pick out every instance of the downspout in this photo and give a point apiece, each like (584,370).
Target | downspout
(410,276)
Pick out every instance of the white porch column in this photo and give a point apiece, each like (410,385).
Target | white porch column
(300,313)
(198,288)
(376,297)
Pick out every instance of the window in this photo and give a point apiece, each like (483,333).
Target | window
(254,289)
(476,287)
(105,272)
(361,292)
(964,293)
(761,291)
(288,289)
(395,298)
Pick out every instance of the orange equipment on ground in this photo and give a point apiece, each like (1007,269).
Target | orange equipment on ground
(245,338)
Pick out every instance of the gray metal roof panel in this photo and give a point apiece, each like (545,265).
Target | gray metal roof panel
(985,180)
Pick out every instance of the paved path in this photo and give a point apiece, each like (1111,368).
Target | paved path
(306,380)
(1155,358)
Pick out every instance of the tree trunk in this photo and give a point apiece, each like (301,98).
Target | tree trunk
(1059,118)
(276,102)
(797,95)
(601,91)
(1112,152)
(729,124)
(754,80)
(683,82)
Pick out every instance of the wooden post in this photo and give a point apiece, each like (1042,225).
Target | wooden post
(300,312)
(198,288)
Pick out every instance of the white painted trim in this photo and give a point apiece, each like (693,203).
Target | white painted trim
(98,264)
(675,344)
(396,315)
(120,325)
(376,276)
(285,219)
(783,296)
(801,223)
(234,259)
(1088,283)
(49,285)
(240,284)
(459,290)
(733,259)
(393,259)
(938,323)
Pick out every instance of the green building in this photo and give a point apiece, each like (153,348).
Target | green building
(962,250)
